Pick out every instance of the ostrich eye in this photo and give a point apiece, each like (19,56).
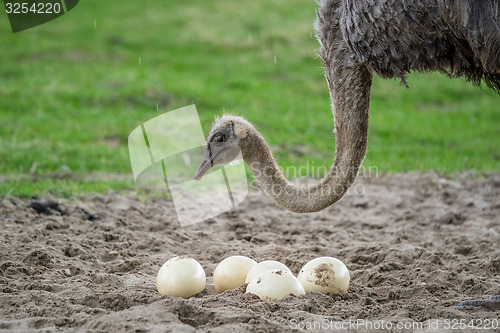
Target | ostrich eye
(219,138)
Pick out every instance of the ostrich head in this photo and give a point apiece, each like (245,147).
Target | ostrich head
(224,143)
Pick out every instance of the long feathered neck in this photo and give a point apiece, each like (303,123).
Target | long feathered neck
(350,91)
(349,84)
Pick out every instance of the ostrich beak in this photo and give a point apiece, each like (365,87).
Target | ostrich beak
(206,163)
(204,166)
(212,151)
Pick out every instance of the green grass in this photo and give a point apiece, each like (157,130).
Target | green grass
(71,92)
(62,185)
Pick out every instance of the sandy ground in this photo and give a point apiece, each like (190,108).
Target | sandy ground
(415,246)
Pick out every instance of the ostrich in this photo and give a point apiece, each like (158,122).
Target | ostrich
(358,39)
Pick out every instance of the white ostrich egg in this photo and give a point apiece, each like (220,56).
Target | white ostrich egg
(325,274)
(231,272)
(181,276)
(274,285)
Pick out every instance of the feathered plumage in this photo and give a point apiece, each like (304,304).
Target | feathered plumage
(395,37)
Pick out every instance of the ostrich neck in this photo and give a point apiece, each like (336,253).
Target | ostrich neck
(349,85)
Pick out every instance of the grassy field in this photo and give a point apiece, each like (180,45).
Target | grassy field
(73,89)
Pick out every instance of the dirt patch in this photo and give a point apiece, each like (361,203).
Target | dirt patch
(322,273)
(415,246)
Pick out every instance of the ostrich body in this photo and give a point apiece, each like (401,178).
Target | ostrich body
(359,39)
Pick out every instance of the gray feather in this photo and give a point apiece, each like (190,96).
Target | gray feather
(394,37)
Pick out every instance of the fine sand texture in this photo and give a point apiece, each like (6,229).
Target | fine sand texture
(415,245)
